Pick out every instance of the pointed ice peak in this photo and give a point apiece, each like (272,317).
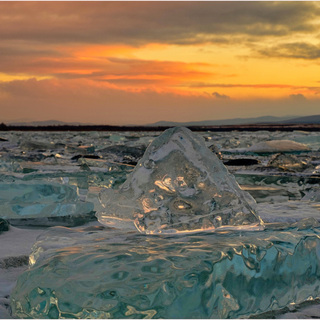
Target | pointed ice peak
(179,185)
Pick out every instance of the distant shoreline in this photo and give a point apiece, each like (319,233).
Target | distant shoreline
(248,127)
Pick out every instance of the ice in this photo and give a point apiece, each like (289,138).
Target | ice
(278,146)
(313,195)
(37,145)
(215,150)
(267,147)
(316,170)
(288,162)
(4,225)
(312,139)
(94,273)
(7,164)
(8,277)
(123,153)
(273,187)
(241,162)
(105,272)
(14,256)
(116,137)
(179,185)
(290,212)
(81,149)
(43,203)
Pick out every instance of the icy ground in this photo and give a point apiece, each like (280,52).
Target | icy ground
(14,257)
(54,179)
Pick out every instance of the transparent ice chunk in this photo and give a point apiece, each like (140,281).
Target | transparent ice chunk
(41,203)
(92,273)
(179,185)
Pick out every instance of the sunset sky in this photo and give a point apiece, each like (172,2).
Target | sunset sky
(141,62)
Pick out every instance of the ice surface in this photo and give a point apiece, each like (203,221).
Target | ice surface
(179,185)
(92,273)
(79,269)
(14,253)
(8,277)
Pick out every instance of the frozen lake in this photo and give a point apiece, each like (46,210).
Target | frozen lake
(55,180)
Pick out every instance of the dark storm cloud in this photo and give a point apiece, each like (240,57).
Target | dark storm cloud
(236,85)
(220,96)
(137,23)
(315,89)
(133,82)
(296,50)
(298,97)
(25,50)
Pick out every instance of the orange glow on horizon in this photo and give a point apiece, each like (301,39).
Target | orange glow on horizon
(205,58)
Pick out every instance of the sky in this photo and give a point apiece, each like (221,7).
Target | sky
(142,62)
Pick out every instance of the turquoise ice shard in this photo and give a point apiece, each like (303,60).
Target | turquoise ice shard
(89,273)
(43,203)
(179,185)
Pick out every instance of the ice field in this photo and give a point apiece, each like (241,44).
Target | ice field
(144,225)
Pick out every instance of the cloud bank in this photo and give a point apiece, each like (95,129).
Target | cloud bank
(138,62)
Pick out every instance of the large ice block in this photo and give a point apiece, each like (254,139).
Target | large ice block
(92,273)
(179,185)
